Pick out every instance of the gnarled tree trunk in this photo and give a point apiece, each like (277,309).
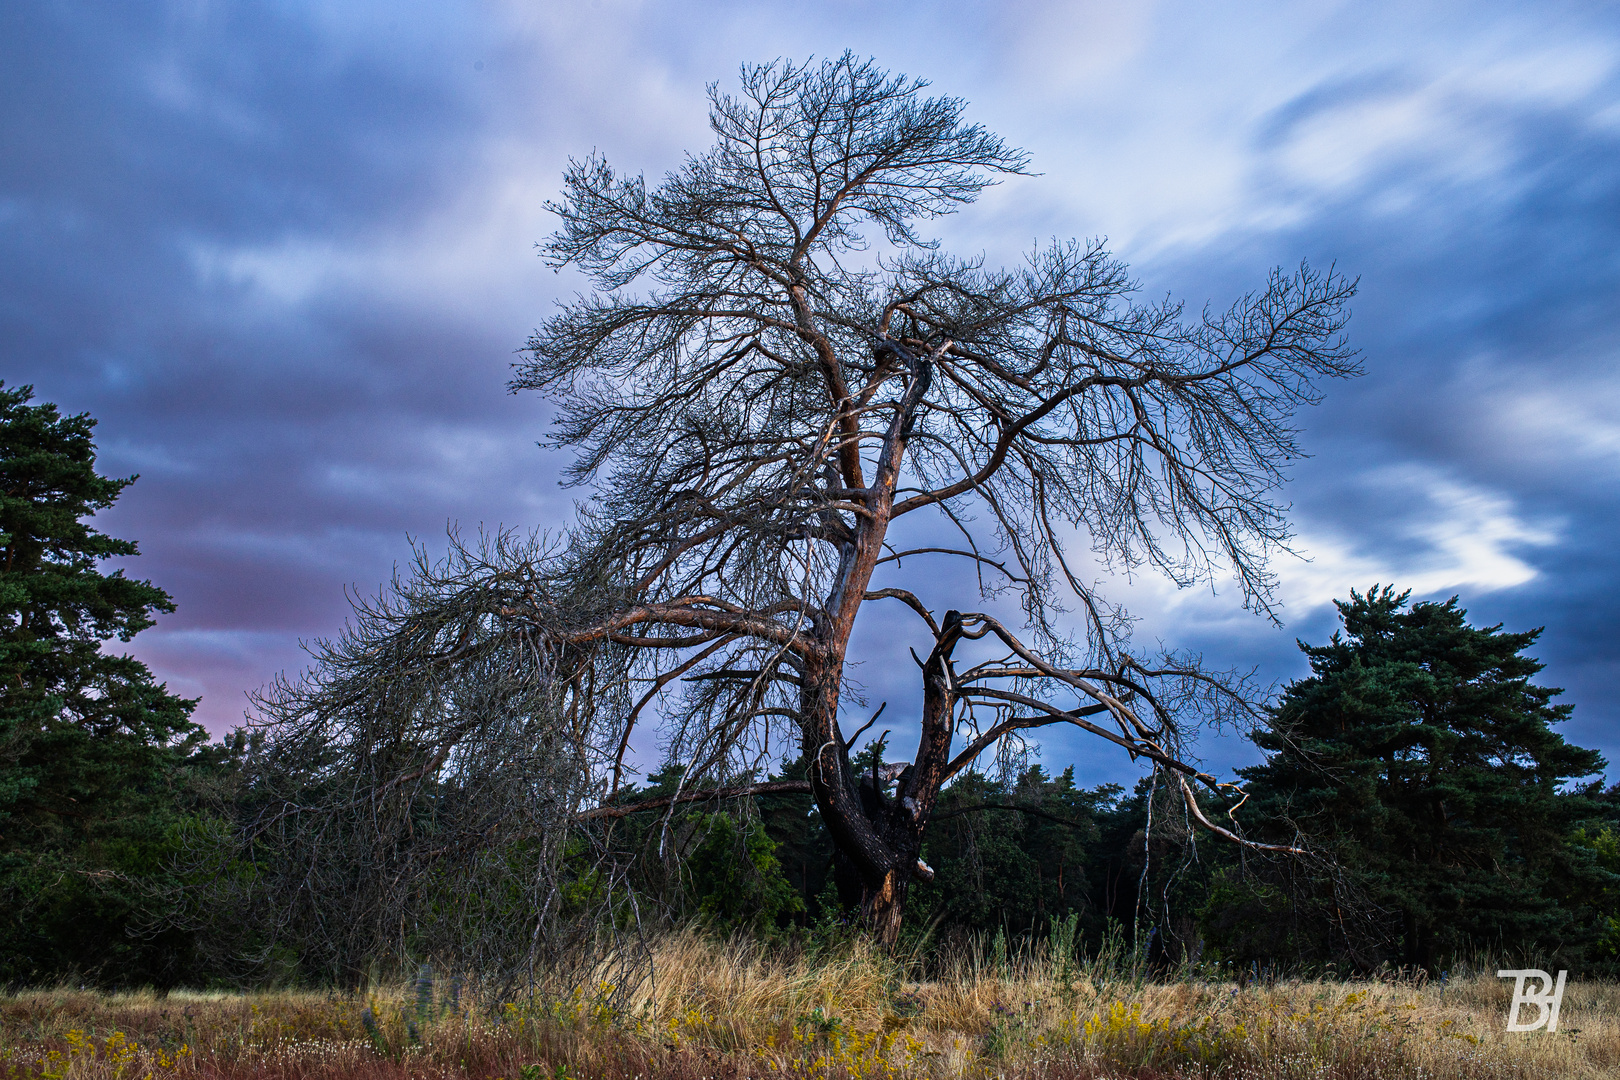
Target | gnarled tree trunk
(879,835)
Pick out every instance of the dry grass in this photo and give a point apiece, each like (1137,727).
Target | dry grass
(734,1010)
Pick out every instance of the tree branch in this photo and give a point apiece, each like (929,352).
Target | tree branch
(774,787)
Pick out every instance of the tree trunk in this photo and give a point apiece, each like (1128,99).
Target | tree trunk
(878,837)
(880,897)
(888,907)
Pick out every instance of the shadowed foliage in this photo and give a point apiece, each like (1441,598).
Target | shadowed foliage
(1423,756)
(99,764)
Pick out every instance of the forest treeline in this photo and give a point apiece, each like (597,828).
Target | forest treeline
(1418,764)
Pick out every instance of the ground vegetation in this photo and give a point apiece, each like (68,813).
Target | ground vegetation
(733,1010)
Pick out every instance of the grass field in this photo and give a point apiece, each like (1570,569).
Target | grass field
(720,1010)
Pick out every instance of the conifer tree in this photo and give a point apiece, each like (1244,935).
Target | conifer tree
(92,748)
(1422,753)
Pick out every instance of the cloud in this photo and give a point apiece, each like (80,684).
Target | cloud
(1451,126)
(284,253)
(1439,535)
(1558,423)
(1053,49)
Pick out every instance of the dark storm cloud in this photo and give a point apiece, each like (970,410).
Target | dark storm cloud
(157,163)
(1508,296)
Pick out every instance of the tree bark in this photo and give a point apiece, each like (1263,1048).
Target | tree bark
(881,836)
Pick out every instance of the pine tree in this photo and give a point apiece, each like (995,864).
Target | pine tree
(1015,856)
(1422,755)
(93,751)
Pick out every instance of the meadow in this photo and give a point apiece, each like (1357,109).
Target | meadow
(718,1010)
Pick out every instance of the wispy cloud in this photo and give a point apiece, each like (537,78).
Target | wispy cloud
(1437,535)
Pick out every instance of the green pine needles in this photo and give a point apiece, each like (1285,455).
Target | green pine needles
(96,757)
(1421,754)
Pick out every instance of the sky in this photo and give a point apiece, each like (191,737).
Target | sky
(284,252)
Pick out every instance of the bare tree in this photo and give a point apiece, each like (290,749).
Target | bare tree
(756,397)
